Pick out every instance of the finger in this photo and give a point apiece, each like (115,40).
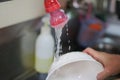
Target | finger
(91,52)
(95,54)
(103,75)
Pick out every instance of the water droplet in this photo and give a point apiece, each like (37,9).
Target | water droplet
(69,48)
(67,33)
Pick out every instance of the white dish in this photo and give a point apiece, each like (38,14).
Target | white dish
(75,66)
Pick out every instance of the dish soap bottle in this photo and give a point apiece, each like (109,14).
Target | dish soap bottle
(44,49)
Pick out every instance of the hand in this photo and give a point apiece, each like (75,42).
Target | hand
(111,62)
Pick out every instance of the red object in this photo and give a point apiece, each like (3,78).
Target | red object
(96,26)
(58,18)
(51,5)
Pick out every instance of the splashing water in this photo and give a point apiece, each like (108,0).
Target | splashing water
(69,41)
(58,32)
(69,48)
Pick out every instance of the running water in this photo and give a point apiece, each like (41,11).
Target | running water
(58,32)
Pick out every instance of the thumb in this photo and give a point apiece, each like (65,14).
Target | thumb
(104,74)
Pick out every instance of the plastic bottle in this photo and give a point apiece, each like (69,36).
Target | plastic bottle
(44,49)
(91,29)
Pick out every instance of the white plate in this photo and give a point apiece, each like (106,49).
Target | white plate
(75,66)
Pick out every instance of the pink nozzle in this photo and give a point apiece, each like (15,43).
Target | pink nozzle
(58,19)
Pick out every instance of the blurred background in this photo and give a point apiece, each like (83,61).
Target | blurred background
(20,25)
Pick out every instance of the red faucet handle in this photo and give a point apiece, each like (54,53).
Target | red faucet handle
(51,5)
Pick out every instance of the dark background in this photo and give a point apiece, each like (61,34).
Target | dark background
(4,0)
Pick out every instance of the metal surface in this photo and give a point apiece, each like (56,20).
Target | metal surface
(12,55)
(108,43)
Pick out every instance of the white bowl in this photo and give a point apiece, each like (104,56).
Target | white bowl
(75,66)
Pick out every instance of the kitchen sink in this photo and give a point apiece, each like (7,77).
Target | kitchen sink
(12,67)
(32,75)
(37,77)
(108,43)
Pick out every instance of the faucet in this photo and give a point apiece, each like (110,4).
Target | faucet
(57,16)
(58,19)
